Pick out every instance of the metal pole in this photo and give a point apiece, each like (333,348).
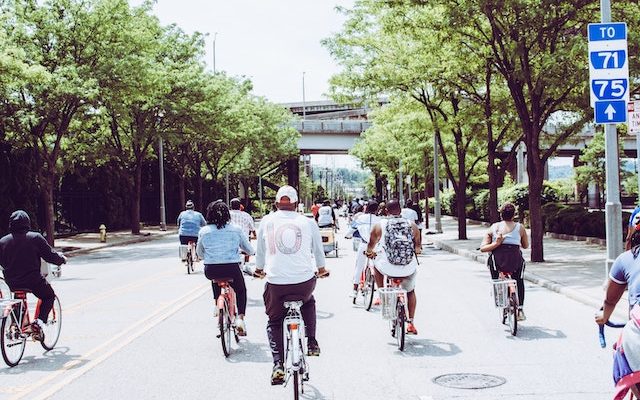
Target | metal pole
(304,102)
(400,184)
(436,185)
(613,208)
(227,184)
(636,103)
(214,52)
(163,215)
(260,195)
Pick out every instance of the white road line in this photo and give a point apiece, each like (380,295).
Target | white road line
(51,384)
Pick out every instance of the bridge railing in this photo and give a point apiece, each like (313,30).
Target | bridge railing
(331,126)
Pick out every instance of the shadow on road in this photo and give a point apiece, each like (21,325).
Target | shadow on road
(427,348)
(311,392)
(527,332)
(250,352)
(52,360)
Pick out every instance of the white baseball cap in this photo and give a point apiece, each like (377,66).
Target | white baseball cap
(287,191)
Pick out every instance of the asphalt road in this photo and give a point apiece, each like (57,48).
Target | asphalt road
(137,326)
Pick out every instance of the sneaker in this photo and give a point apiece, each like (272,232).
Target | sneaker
(277,374)
(216,312)
(521,316)
(312,347)
(241,328)
(37,333)
(353,294)
(411,329)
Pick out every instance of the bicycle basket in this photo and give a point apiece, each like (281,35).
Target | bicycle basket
(501,291)
(389,300)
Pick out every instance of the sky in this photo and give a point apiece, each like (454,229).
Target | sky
(272,42)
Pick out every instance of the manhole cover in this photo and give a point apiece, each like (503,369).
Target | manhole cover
(469,381)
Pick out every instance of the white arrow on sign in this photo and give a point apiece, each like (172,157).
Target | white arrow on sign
(610,111)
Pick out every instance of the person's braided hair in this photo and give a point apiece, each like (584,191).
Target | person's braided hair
(218,214)
(634,243)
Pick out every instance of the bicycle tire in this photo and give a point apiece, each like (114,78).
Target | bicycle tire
(513,314)
(53,326)
(369,284)
(12,348)
(225,329)
(400,327)
(189,261)
(296,385)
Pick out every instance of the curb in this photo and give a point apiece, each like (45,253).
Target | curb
(140,239)
(528,276)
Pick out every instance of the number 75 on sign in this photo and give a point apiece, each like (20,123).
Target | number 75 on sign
(609,89)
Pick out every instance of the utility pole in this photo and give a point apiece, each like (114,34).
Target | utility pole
(613,208)
(214,52)
(400,183)
(163,214)
(304,102)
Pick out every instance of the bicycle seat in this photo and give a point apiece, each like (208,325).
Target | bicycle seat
(296,304)
(21,293)
(221,281)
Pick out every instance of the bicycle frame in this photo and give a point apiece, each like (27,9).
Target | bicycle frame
(294,339)
(228,296)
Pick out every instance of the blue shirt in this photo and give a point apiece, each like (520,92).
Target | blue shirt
(626,271)
(221,246)
(190,222)
(635,212)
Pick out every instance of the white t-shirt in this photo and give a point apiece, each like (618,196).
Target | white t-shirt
(410,214)
(383,265)
(325,216)
(364,223)
(286,242)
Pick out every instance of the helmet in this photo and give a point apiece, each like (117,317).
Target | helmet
(189,204)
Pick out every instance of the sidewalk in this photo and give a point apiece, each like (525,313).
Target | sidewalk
(86,242)
(574,268)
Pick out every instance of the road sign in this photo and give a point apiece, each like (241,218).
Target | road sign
(611,112)
(633,110)
(608,70)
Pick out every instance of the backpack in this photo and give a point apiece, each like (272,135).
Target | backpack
(398,241)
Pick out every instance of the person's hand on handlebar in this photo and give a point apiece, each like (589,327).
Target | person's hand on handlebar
(259,273)
(370,254)
(322,272)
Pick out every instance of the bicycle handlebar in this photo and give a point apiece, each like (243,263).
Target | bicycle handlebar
(603,342)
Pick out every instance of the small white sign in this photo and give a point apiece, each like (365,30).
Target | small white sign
(633,110)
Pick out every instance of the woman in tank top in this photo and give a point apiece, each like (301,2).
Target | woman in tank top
(504,240)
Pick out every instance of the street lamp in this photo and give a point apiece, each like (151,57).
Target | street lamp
(304,108)
(214,52)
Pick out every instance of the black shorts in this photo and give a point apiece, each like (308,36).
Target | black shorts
(187,239)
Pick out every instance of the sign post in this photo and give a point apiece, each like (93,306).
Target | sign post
(633,110)
(609,84)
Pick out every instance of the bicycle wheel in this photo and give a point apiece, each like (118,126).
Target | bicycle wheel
(513,314)
(296,385)
(12,341)
(224,323)
(400,326)
(368,290)
(189,262)
(53,326)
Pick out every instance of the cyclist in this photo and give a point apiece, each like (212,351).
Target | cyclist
(286,243)
(20,253)
(504,240)
(409,213)
(243,220)
(326,216)
(362,225)
(397,256)
(218,247)
(625,274)
(189,224)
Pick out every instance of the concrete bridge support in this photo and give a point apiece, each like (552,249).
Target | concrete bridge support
(293,173)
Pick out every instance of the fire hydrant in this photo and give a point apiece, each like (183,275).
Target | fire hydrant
(103,233)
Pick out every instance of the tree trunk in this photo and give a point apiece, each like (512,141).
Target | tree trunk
(182,198)
(135,200)
(46,188)
(199,195)
(461,211)
(535,169)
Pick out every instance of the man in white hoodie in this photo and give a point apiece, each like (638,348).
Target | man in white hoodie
(286,241)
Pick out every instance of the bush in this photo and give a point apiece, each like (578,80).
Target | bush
(576,220)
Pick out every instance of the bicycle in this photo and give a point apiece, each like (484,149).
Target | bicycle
(366,287)
(505,294)
(16,326)
(191,256)
(295,363)
(394,308)
(227,313)
(629,383)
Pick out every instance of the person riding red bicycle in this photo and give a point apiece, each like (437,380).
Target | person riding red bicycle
(20,254)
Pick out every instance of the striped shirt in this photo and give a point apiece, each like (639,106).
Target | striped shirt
(243,220)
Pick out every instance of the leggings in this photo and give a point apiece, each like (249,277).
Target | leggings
(230,270)
(518,275)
